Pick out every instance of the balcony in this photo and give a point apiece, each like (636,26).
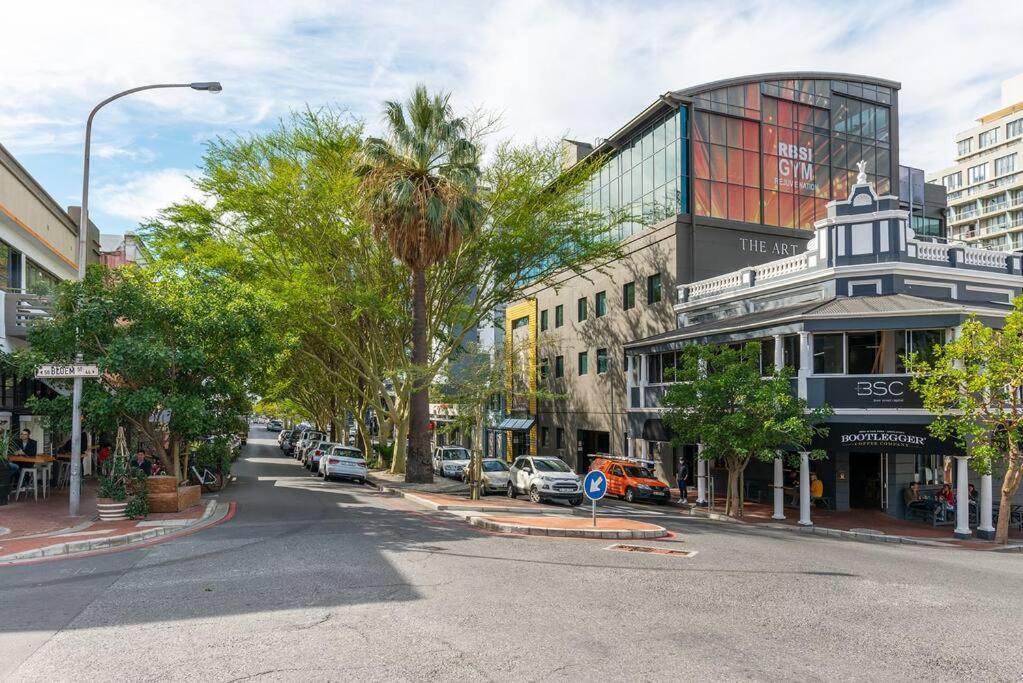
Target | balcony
(21,309)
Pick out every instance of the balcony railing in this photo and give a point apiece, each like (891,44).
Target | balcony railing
(21,309)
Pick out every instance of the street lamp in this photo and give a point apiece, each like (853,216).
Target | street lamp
(83,251)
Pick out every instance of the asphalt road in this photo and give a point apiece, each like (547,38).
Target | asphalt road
(314,581)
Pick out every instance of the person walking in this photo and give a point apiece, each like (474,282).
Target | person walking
(682,476)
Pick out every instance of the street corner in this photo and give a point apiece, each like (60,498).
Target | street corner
(97,537)
(569,527)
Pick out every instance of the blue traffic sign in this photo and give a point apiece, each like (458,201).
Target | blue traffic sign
(595,485)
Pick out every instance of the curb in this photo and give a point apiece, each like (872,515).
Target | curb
(71,548)
(612,534)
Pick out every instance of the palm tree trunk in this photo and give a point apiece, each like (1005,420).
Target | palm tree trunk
(417,464)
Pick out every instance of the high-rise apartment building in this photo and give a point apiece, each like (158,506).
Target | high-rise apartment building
(985,186)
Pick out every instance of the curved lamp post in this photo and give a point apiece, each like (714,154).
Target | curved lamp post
(75,487)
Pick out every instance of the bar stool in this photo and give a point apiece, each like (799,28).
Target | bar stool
(63,474)
(27,472)
(45,473)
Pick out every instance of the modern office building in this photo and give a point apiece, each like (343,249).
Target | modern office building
(841,313)
(721,176)
(38,249)
(985,186)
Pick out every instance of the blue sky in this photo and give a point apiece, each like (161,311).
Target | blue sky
(549,68)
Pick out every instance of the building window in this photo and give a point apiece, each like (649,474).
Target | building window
(543,321)
(978,173)
(544,436)
(559,438)
(37,280)
(601,361)
(582,306)
(628,296)
(520,322)
(827,354)
(600,304)
(1006,164)
(559,367)
(790,351)
(584,362)
(544,365)
(1013,128)
(559,315)
(767,357)
(653,289)
(924,343)
(865,355)
(964,146)
(953,181)
(988,138)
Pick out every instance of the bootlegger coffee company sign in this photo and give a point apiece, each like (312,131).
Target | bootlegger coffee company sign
(883,438)
(890,437)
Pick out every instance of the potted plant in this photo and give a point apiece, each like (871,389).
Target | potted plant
(122,493)
(6,473)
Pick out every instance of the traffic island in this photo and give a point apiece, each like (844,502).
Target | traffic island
(569,527)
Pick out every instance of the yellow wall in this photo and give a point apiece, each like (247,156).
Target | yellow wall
(523,309)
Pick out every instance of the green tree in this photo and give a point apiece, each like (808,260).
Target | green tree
(422,192)
(720,399)
(974,385)
(180,357)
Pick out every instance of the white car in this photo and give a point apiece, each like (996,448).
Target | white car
(343,462)
(274,426)
(305,441)
(450,461)
(544,479)
(495,476)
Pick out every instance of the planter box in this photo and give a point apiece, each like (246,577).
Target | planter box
(111,510)
(166,496)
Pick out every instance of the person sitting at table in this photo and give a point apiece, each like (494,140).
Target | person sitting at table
(946,500)
(141,462)
(913,501)
(26,445)
(816,489)
(972,493)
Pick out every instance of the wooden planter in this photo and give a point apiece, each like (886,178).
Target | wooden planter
(111,510)
(166,496)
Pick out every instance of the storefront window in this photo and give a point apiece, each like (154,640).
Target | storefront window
(933,469)
(865,353)
(790,349)
(827,354)
(922,342)
(37,280)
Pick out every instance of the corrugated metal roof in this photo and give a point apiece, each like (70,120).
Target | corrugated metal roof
(894,303)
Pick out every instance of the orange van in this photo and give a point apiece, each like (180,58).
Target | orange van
(631,480)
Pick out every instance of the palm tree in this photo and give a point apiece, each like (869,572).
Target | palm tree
(421,185)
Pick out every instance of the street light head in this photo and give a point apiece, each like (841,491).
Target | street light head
(210,86)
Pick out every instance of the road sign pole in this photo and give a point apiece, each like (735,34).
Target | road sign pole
(594,501)
(75,485)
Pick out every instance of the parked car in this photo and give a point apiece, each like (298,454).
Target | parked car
(343,462)
(282,437)
(311,459)
(291,442)
(306,439)
(274,426)
(450,461)
(495,476)
(631,480)
(544,478)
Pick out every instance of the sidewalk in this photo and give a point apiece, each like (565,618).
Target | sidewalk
(31,530)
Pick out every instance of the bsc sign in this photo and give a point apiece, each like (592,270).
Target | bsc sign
(67,371)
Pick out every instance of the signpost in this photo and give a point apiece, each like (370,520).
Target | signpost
(76,371)
(595,488)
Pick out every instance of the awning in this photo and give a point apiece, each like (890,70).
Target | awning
(512,424)
(654,429)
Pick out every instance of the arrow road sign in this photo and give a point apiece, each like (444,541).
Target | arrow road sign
(67,371)
(595,485)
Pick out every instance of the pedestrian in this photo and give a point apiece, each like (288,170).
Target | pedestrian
(682,476)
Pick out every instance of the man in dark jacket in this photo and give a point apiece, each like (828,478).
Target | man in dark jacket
(26,444)
(682,476)
(141,462)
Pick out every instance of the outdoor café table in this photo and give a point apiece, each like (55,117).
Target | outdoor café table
(31,460)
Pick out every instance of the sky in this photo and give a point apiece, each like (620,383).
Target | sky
(550,69)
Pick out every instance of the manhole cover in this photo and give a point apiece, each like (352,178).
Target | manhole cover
(867,531)
(650,550)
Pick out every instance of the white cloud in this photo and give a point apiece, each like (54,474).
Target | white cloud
(144,195)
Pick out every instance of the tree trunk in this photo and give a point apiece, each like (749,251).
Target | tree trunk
(731,503)
(400,447)
(386,430)
(417,465)
(1010,485)
(176,459)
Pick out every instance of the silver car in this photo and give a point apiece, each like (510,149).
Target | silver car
(495,476)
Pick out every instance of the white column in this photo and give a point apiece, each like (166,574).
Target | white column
(701,477)
(779,352)
(962,500)
(779,493)
(805,361)
(985,529)
(804,489)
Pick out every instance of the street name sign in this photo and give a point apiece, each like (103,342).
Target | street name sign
(72,371)
(595,488)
